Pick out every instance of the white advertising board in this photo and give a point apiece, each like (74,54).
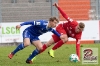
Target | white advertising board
(91,31)
(8,32)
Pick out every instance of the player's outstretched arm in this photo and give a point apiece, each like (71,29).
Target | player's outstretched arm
(28,23)
(25,23)
(78,48)
(61,11)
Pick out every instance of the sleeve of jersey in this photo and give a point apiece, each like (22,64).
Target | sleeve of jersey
(55,32)
(64,14)
(28,23)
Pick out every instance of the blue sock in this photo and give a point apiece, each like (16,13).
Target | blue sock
(34,53)
(19,47)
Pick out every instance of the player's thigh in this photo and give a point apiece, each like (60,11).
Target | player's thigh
(26,38)
(37,44)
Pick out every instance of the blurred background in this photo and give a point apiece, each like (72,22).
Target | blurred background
(23,10)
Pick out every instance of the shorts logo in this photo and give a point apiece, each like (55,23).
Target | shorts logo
(89,55)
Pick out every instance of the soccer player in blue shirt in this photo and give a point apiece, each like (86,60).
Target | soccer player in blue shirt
(31,34)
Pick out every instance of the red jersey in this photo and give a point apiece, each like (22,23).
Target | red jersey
(70,26)
(70,29)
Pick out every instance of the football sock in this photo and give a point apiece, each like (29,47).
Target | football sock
(34,53)
(19,47)
(43,48)
(78,50)
(58,44)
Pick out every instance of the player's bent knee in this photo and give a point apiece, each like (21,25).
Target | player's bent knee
(49,43)
(26,44)
(40,48)
(65,39)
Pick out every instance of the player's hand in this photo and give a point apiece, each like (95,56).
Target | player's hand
(55,4)
(78,59)
(18,26)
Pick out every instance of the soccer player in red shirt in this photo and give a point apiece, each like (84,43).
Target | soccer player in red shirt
(70,28)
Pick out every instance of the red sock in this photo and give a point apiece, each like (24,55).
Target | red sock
(78,50)
(44,48)
(58,44)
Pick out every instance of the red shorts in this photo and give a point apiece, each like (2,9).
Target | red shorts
(60,30)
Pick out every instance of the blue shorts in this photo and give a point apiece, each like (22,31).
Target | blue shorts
(27,34)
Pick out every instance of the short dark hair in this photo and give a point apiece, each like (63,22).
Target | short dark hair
(81,25)
(53,18)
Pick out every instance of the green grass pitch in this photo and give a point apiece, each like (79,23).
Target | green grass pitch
(43,59)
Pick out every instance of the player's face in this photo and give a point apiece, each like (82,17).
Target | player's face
(78,29)
(53,24)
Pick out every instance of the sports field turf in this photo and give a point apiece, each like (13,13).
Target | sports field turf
(61,56)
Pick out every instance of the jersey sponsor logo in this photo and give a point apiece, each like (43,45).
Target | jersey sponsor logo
(38,23)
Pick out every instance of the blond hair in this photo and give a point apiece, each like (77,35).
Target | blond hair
(53,18)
